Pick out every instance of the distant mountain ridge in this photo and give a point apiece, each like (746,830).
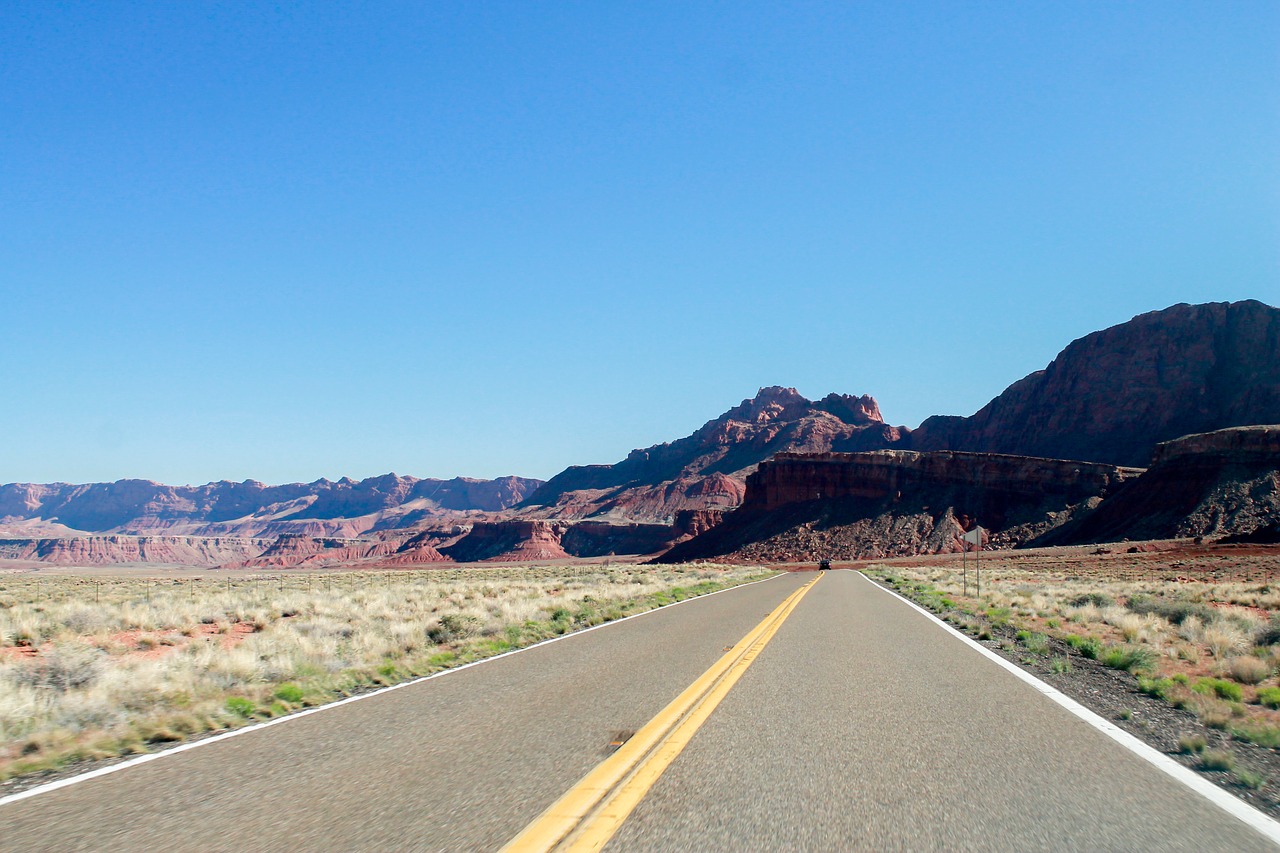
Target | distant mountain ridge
(1109,397)
(342,508)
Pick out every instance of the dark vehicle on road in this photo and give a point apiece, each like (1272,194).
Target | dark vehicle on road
(824,565)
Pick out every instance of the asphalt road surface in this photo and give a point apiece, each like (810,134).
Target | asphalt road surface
(862,725)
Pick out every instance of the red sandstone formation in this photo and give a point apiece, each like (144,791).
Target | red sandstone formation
(112,550)
(892,503)
(694,522)
(604,539)
(1111,396)
(508,541)
(529,540)
(706,470)
(1219,484)
(293,550)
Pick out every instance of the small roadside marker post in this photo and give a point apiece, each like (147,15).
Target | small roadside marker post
(977,559)
(973,537)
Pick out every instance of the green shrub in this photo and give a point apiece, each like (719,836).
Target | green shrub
(1269,696)
(1175,611)
(442,659)
(999,615)
(1215,718)
(240,706)
(1128,658)
(1192,744)
(1217,760)
(458,626)
(1097,599)
(1260,733)
(1219,687)
(1090,647)
(1060,665)
(1161,688)
(1037,644)
(935,600)
(289,692)
(1249,779)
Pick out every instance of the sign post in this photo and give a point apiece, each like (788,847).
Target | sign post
(974,537)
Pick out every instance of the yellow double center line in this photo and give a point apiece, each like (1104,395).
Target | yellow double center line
(590,813)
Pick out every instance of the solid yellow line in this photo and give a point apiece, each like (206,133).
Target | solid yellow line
(569,812)
(595,832)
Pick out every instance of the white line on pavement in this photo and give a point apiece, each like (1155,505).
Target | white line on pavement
(1222,799)
(143,759)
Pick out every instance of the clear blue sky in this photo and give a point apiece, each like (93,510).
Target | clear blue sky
(283,241)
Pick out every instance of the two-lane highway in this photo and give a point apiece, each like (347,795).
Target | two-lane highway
(865,725)
(459,762)
(857,723)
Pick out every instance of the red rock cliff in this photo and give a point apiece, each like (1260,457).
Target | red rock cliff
(888,474)
(1111,396)
(1222,484)
(892,502)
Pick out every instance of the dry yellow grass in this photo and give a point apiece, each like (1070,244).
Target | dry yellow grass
(92,668)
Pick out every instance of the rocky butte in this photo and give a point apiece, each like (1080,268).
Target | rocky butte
(707,470)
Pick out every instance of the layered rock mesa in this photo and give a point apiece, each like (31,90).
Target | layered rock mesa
(898,503)
(152,550)
(289,550)
(251,509)
(1224,483)
(1111,396)
(706,470)
(533,540)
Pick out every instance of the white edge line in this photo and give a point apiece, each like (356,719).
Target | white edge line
(1233,805)
(49,787)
